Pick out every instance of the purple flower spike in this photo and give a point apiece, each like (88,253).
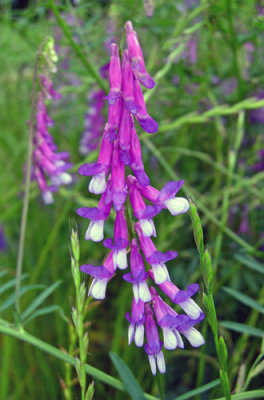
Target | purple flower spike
(119,187)
(95,231)
(146,244)
(154,345)
(136,57)
(141,212)
(136,163)
(147,123)
(181,297)
(121,241)
(128,84)
(124,131)
(102,275)
(48,89)
(138,275)
(137,320)
(115,75)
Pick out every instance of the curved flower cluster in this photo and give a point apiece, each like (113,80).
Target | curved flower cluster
(47,162)
(120,147)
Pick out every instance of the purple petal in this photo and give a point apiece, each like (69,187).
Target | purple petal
(146,80)
(92,169)
(142,177)
(148,212)
(169,190)
(142,276)
(97,272)
(158,257)
(184,295)
(108,243)
(154,349)
(148,124)
(174,321)
(94,213)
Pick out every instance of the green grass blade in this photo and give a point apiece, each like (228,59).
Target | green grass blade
(44,311)
(250,263)
(11,299)
(10,284)
(252,394)
(131,384)
(3,273)
(242,328)
(40,299)
(248,301)
(199,390)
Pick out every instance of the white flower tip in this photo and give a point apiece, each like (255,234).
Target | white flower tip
(144,293)
(98,289)
(65,178)
(170,340)
(177,205)
(47,197)
(148,227)
(161,363)
(97,184)
(95,231)
(160,273)
(121,259)
(139,335)
(152,363)
(195,337)
(131,330)
(191,308)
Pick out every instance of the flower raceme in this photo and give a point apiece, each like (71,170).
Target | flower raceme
(47,162)
(120,147)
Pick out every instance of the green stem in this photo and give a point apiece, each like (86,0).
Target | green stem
(76,47)
(23,225)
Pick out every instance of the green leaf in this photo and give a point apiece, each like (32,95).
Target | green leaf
(252,394)
(10,283)
(250,263)
(11,299)
(131,384)
(44,311)
(222,353)
(199,390)
(242,328)
(3,273)
(248,301)
(39,300)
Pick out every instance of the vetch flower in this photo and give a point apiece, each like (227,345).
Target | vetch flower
(120,147)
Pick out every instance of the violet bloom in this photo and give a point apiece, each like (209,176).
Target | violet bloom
(100,169)
(136,57)
(143,213)
(154,344)
(138,275)
(98,216)
(257,115)
(120,241)
(47,163)
(182,297)
(173,324)
(136,163)
(166,197)
(155,258)
(101,275)
(137,320)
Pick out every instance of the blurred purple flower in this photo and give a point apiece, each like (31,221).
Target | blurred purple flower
(3,243)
